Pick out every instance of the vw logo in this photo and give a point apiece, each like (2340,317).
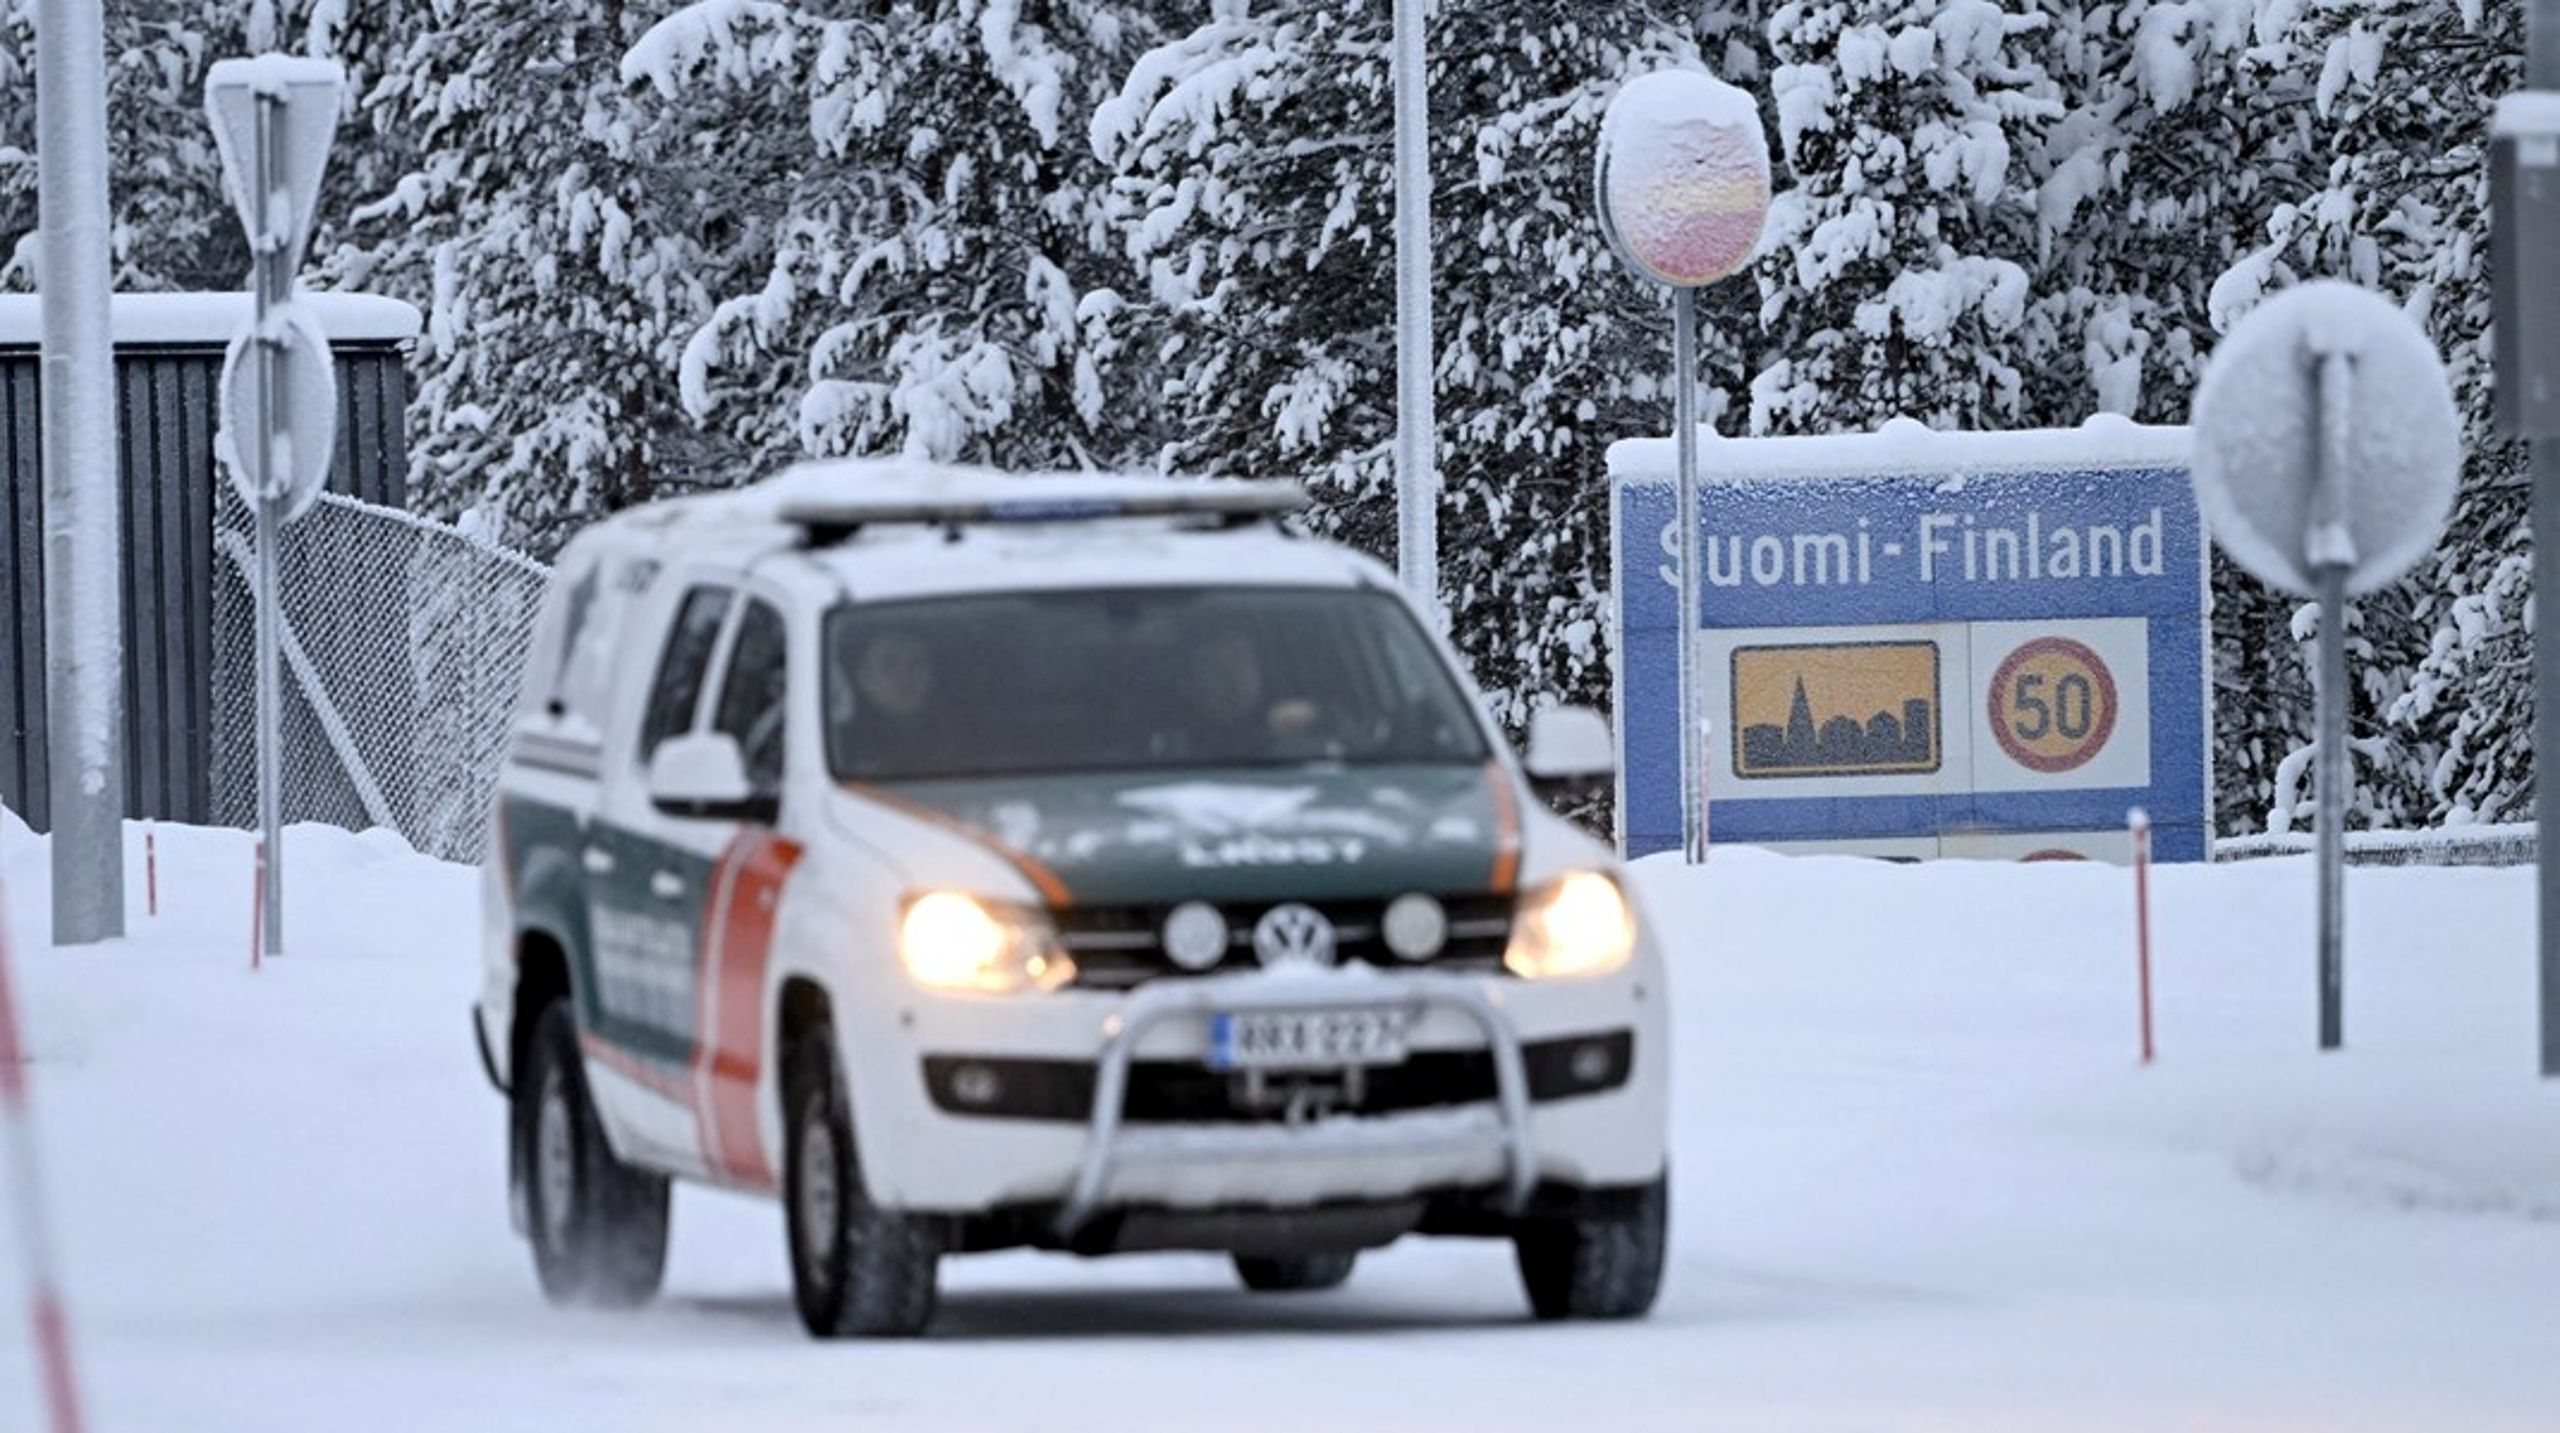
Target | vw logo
(1293,934)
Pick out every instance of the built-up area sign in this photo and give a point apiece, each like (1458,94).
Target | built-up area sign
(1922,644)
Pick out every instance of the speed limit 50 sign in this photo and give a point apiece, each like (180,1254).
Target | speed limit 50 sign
(2053,704)
(1925,644)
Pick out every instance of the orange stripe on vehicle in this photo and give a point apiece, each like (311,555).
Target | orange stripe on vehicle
(706,985)
(631,1067)
(1506,818)
(1053,890)
(755,869)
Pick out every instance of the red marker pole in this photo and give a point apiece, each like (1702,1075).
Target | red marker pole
(2138,821)
(51,1328)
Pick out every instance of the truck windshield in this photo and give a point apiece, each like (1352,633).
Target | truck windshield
(1137,679)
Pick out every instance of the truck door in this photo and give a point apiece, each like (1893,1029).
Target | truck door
(648,878)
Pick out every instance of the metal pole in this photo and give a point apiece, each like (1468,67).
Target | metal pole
(2332,780)
(1693,755)
(1417,477)
(2330,551)
(2542,72)
(267,281)
(83,598)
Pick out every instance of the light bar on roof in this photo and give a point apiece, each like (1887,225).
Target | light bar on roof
(1225,499)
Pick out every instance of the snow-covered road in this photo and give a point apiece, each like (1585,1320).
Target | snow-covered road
(1920,1183)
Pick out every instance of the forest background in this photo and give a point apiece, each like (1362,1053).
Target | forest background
(665,246)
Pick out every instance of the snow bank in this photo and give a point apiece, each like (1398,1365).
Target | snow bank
(1920,1182)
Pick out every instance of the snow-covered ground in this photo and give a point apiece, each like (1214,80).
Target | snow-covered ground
(1920,1183)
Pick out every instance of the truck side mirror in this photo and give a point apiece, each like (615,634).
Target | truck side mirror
(703,776)
(1570,747)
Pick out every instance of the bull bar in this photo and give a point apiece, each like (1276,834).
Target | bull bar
(1108,1146)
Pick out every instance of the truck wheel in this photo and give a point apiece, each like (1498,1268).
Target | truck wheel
(855,1268)
(1603,1266)
(1294,1273)
(599,1226)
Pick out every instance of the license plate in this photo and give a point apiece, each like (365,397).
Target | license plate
(1306,1039)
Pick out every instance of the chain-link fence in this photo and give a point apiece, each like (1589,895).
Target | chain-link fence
(403,641)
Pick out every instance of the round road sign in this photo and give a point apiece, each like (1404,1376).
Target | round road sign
(1683,177)
(306,414)
(2259,437)
(2053,704)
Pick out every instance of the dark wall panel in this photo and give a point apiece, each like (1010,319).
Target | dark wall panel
(166,405)
(167,445)
(22,745)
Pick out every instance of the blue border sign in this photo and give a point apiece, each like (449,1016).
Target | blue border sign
(1919,643)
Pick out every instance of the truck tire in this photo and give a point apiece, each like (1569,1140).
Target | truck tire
(598,1226)
(1295,1273)
(856,1269)
(1599,1266)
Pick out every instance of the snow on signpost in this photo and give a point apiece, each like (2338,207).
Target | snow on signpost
(1682,179)
(2327,450)
(273,118)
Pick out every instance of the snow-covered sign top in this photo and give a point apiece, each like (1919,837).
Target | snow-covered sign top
(1683,177)
(2259,437)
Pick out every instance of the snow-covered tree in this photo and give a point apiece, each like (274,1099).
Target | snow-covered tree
(2399,94)
(1254,198)
(1897,274)
(664,245)
(933,281)
(2140,211)
(563,248)
(172,226)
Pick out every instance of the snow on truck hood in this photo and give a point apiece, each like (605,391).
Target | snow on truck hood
(1248,835)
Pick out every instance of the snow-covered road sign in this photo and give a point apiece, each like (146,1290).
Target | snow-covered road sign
(1923,644)
(2327,451)
(301,96)
(305,436)
(2291,480)
(1682,180)
(273,117)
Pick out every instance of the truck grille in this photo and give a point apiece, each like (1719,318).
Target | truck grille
(1181,1092)
(1116,947)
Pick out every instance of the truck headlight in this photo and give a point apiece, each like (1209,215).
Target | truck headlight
(952,941)
(1577,924)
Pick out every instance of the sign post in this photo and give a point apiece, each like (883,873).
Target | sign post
(2327,448)
(1683,183)
(273,118)
(2524,200)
